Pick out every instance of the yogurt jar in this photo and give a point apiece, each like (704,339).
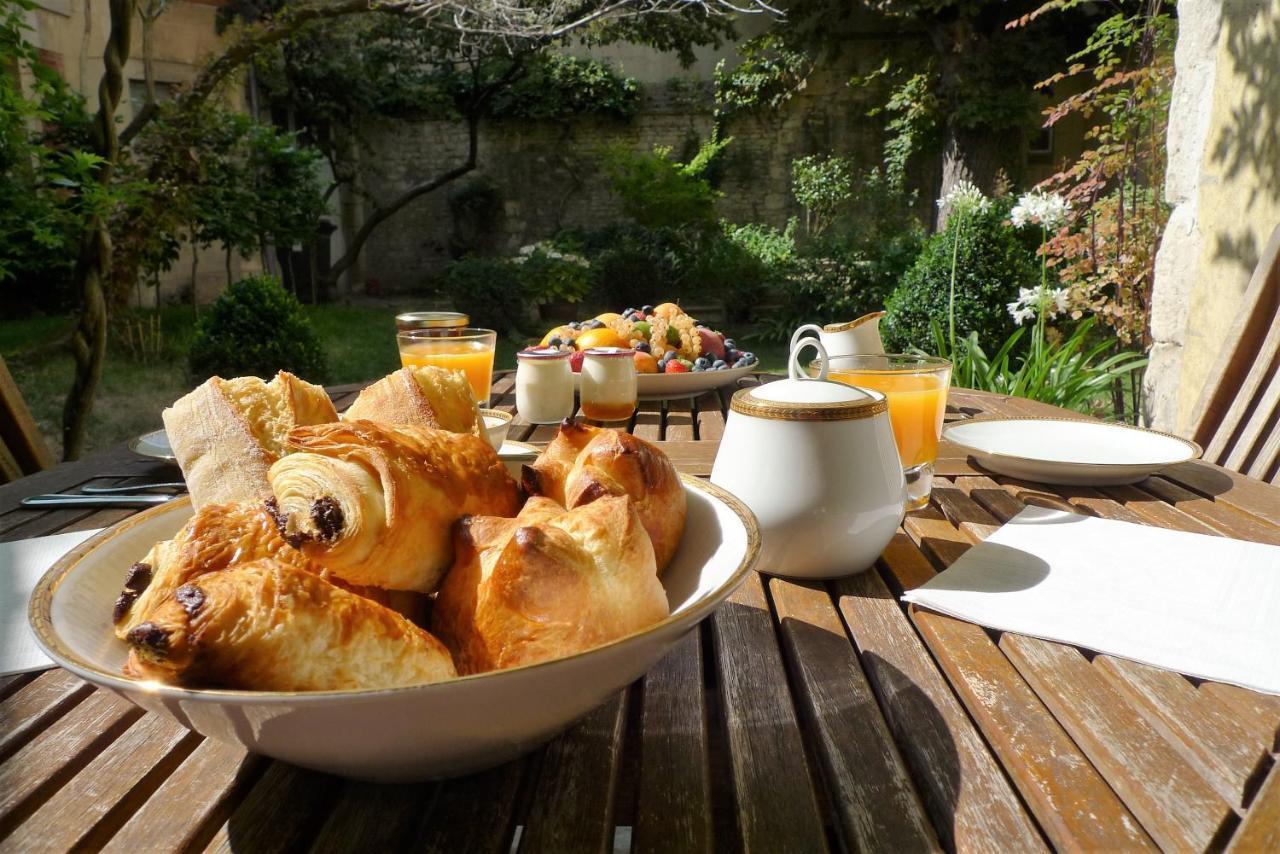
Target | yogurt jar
(544,385)
(608,383)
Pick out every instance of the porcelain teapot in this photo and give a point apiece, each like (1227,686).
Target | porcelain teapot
(815,460)
(853,337)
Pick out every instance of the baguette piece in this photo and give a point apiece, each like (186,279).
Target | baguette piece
(424,396)
(227,433)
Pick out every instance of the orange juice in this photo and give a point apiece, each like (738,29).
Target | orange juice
(473,357)
(917,403)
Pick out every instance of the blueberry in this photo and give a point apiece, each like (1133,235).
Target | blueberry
(730,344)
(741,363)
(628,311)
(644,347)
(555,342)
(720,364)
(697,367)
(575,325)
(749,357)
(647,309)
(593,324)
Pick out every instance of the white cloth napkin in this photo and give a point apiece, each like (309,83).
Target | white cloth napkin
(1200,605)
(22,562)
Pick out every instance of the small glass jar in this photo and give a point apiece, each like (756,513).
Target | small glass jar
(544,385)
(608,383)
(441,324)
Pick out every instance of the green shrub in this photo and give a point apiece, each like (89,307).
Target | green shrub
(488,289)
(255,327)
(658,191)
(549,273)
(631,264)
(991,265)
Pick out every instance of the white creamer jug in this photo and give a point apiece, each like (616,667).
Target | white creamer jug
(850,338)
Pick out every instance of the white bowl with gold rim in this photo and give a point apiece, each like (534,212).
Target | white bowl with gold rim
(408,733)
(815,460)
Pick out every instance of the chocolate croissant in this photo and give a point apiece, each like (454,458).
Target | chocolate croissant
(424,396)
(583,463)
(374,503)
(547,584)
(269,626)
(217,536)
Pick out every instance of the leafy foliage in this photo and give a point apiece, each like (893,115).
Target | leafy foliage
(769,74)
(658,191)
(1108,258)
(255,327)
(48,193)
(1075,372)
(488,289)
(549,275)
(992,263)
(822,185)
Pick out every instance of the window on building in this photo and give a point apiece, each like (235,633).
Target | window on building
(138,93)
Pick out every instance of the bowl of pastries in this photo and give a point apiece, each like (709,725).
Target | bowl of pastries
(377,595)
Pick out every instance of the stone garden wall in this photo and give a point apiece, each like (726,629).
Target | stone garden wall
(547,177)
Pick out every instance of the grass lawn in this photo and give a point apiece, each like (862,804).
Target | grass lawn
(359,342)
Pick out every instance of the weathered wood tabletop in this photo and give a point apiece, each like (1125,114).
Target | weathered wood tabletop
(800,717)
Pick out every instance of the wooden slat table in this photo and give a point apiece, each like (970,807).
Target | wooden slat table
(800,717)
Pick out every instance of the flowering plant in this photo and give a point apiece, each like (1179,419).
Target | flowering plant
(549,274)
(964,200)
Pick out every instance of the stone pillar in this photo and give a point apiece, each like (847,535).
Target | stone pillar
(1195,62)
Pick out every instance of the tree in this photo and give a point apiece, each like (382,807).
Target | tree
(958,83)
(511,24)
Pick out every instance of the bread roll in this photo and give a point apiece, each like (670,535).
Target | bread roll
(424,396)
(547,584)
(583,463)
(269,626)
(374,503)
(227,433)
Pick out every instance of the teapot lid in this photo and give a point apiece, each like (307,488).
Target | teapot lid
(808,400)
(803,398)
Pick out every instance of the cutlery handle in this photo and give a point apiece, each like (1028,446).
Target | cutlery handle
(56,500)
(137,487)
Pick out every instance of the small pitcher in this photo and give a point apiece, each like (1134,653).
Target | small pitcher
(848,338)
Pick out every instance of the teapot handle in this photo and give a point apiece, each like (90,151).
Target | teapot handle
(794,371)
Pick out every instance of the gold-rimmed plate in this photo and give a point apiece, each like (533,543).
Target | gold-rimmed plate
(408,733)
(1069,451)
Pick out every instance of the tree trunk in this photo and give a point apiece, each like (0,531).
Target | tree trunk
(229,250)
(976,155)
(93,266)
(195,266)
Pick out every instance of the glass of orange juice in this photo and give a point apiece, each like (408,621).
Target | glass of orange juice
(466,349)
(916,387)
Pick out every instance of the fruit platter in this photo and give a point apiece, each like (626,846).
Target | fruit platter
(675,355)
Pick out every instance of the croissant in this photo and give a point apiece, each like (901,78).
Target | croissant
(374,503)
(424,396)
(547,584)
(583,463)
(227,433)
(269,626)
(217,536)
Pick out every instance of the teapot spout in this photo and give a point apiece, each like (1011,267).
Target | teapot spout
(854,337)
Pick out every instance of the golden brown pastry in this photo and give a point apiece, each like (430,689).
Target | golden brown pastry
(227,433)
(547,584)
(374,503)
(424,396)
(583,463)
(217,536)
(269,626)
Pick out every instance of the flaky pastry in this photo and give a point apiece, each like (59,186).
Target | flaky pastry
(583,463)
(374,503)
(547,584)
(424,396)
(269,626)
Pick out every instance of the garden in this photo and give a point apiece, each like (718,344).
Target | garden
(1036,288)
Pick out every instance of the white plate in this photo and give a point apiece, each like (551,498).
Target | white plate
(410,733)
(691,384)
(153,444)
(1070,452)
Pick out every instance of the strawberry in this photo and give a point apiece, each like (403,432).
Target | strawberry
(575,361)
(675,367)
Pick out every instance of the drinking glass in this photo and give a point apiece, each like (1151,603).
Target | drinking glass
(916,387)
(469,350)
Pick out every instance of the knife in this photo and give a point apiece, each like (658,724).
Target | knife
(61,500)
(137,487)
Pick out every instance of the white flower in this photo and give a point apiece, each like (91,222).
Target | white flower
(965,196)
(1047,209)
(1030,301)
